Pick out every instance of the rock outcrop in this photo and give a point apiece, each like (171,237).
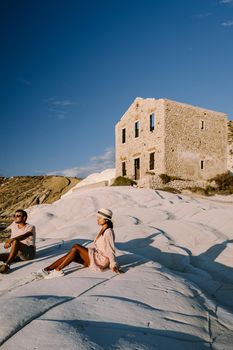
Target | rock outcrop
(25,191)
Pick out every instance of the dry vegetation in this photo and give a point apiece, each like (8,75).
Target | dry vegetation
(222,184)
(25,191)
(123,181)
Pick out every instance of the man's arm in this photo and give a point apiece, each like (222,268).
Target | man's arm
(18,238)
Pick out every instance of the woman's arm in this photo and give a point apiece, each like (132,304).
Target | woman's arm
(117,270)
(110,249)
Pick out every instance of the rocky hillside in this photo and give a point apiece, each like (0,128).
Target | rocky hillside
(25,191)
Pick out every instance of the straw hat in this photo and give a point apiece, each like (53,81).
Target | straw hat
(105,213)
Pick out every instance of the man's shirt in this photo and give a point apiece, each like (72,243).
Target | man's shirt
(16,231)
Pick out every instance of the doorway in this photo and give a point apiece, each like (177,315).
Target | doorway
(137,168)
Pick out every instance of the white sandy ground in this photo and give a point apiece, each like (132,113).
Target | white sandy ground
(177,292)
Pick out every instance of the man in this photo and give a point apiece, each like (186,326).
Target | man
(21,244)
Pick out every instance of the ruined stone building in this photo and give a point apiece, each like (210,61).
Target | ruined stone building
(160,136)
(230,146)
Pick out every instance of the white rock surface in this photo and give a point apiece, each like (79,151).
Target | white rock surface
(107,176)
(176,292)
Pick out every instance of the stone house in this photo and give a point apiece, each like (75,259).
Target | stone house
(230,146)
(161,136)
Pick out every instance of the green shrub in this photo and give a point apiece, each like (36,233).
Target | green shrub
(198,190)
(123,181)
(224,181)
(165,178)
(177,178)
(226,191)
(224,186)
(169,189)
(210,191)
(207,191)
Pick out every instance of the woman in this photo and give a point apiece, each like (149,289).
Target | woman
(98,256)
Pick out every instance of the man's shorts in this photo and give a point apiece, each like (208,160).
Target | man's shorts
(27,252)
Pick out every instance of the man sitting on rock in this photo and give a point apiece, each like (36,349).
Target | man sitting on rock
(21,245)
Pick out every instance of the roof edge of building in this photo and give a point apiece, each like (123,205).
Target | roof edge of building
(194,106)
(164,100)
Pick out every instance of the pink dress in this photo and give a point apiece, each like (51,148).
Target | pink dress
(102,251)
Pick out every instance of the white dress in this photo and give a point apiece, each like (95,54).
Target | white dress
(102,251)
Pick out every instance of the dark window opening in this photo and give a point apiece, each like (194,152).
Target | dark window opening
(202,125)
(152,121)
(123,169)
(123,135)
(152,161)
(202,164)
(137,168)
(137,129)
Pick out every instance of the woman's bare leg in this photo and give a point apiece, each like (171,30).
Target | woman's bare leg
(71,256)
(56,263)
(74,255)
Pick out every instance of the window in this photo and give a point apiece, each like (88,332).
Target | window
(152,161)
(123,164)
(137,125)
(152,121)
(123,138)
(202,125)
(137,168)
(202,164)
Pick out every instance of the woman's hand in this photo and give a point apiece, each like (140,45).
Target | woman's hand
(117,270)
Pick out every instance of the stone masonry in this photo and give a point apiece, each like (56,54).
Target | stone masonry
(230,146)
(158,136)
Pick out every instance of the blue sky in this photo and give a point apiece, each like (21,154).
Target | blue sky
(70,69)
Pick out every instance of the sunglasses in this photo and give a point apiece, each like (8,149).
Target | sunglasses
(17,216)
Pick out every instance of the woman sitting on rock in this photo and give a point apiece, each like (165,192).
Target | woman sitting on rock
(98,256)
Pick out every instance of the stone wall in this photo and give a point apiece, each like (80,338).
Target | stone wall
(230,146)
(184,136)
(192,135)
(155,182)
(147,142)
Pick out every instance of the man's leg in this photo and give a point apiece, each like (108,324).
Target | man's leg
(4,257)
(15,248)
